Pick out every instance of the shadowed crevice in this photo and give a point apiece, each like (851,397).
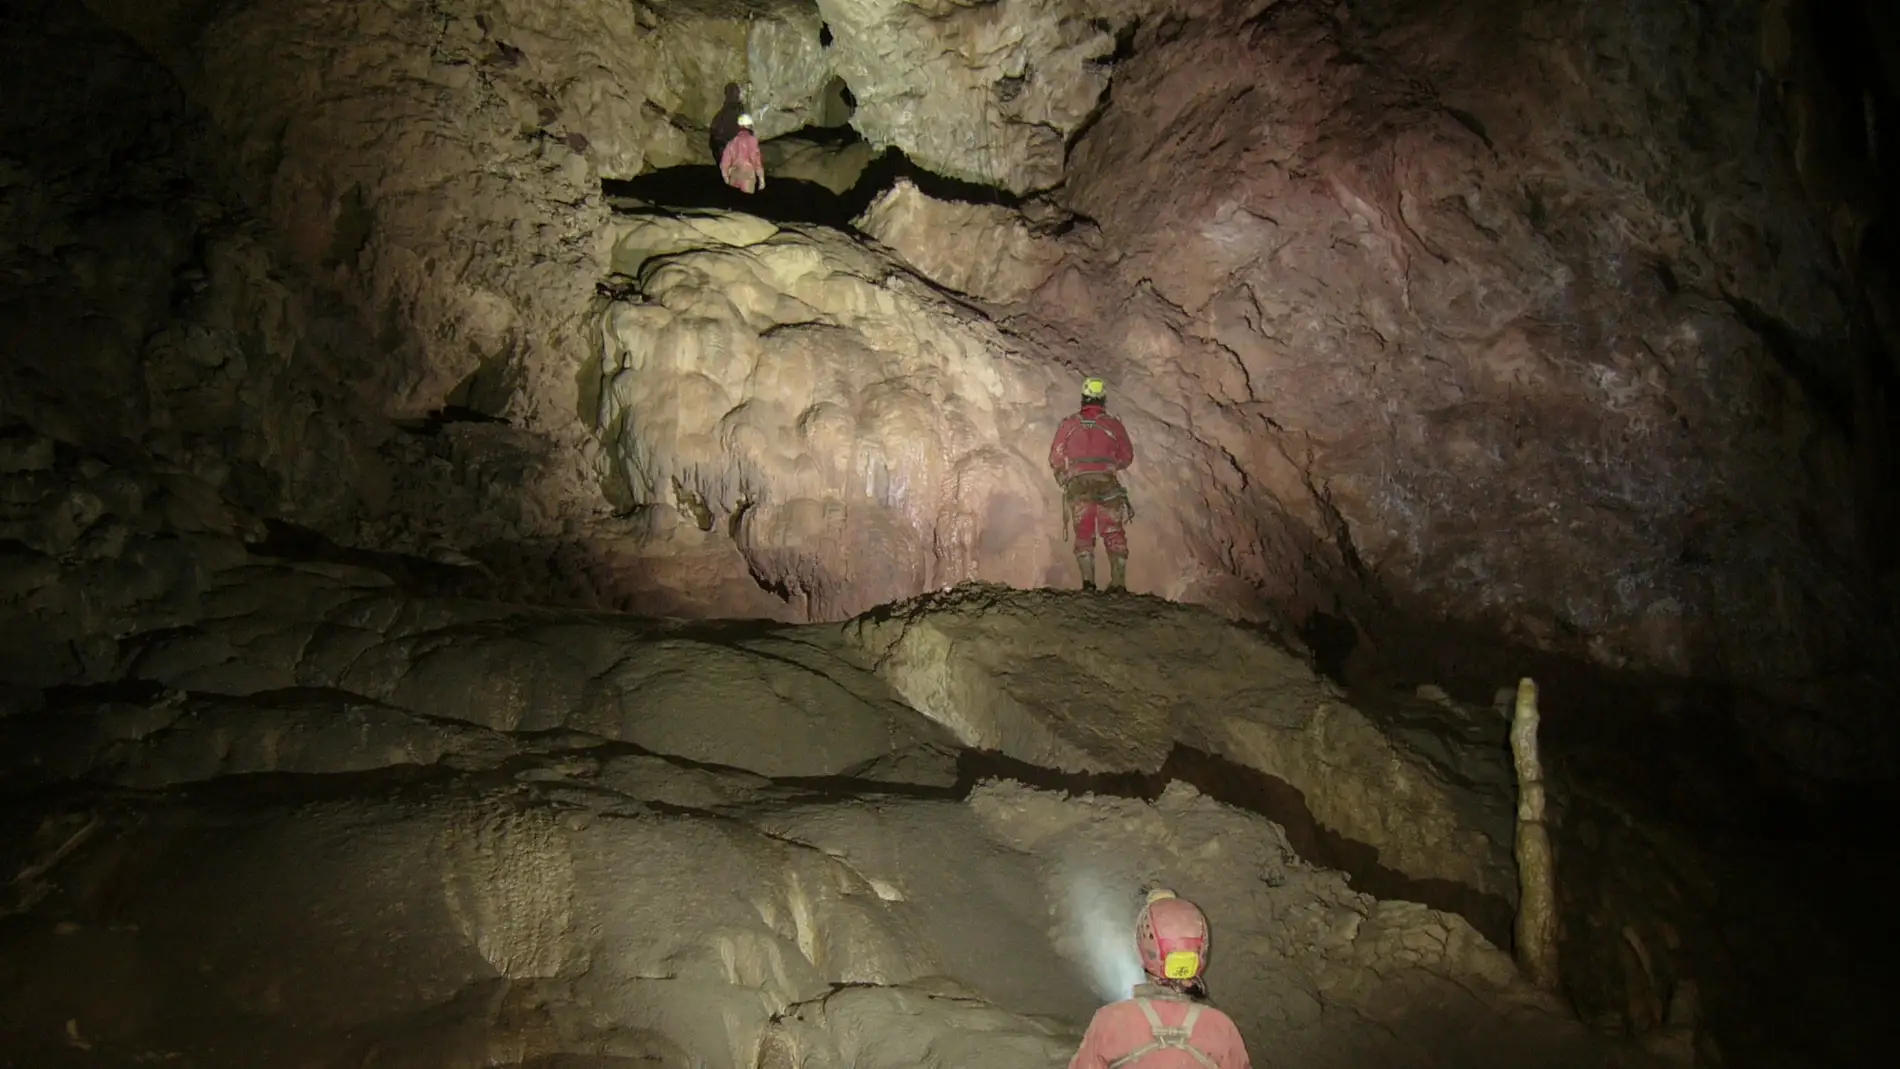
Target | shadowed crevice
(1256,792)
(417,575)
(795,200)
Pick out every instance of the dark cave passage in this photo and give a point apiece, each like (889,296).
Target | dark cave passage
(796,200)
(783,200)
(286,541)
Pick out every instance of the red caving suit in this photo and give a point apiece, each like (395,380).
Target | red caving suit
(1122,1029)
(1089,448)
(740,164)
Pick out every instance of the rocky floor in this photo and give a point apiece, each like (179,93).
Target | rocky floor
(315,815)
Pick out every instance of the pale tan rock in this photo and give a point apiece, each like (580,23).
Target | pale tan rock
(835,167)
(1104,698)
(982,92)
(767,924)
(984,250)
(856,435)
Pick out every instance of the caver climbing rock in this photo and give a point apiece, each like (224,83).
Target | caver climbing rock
(1089,448)
(1165,1024)
(740,164)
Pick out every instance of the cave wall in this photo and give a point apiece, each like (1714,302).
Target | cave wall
(1530,300)
(423,180)
(1828,86)
(1550,317)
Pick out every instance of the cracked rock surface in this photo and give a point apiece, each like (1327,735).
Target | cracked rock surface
(297,802)
(400,829)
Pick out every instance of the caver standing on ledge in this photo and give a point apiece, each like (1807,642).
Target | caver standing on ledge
(740,164)
(1089,448)
(1164,1024)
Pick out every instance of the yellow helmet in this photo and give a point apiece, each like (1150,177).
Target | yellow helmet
(1094,388)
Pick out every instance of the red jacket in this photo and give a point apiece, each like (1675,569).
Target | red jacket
(1091,440)
(1121,1028)
(740,164)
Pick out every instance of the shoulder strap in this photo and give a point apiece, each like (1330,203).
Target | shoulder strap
(1171,1037)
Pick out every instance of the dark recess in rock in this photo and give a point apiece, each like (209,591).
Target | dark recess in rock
(797,200)
(1271,797)
(433,423)
(1805,360)
(289,542)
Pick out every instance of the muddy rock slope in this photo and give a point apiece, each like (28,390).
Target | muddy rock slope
(476,590)
(399,829)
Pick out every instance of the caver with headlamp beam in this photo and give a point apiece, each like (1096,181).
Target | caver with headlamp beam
(1166,1022)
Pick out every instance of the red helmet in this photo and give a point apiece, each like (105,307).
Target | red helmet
(1171,936)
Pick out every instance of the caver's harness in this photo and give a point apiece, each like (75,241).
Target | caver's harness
(1167,1037)
(1101,487)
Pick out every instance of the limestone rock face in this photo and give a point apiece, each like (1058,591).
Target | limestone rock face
(1533,349)
(987,92)
(330,385)
(835,167)
(1109,699)
(985,250)
(855,434)
(415,831)
(1382,354)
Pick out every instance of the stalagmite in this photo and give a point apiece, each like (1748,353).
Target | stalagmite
(1537,885)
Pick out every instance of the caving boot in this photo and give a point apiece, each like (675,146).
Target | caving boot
(1086,561)
(1118,573)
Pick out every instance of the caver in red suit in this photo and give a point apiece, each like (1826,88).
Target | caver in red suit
(740,164)
(1164,1025)
(1089,448)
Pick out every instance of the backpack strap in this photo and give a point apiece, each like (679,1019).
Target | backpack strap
(1168,1037)
(1105,428)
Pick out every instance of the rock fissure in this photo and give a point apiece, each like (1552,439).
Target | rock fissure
(835,198)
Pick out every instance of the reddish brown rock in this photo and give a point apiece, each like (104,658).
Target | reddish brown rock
(1537,318)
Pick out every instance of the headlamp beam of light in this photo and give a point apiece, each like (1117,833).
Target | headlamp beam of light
(1102,923)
